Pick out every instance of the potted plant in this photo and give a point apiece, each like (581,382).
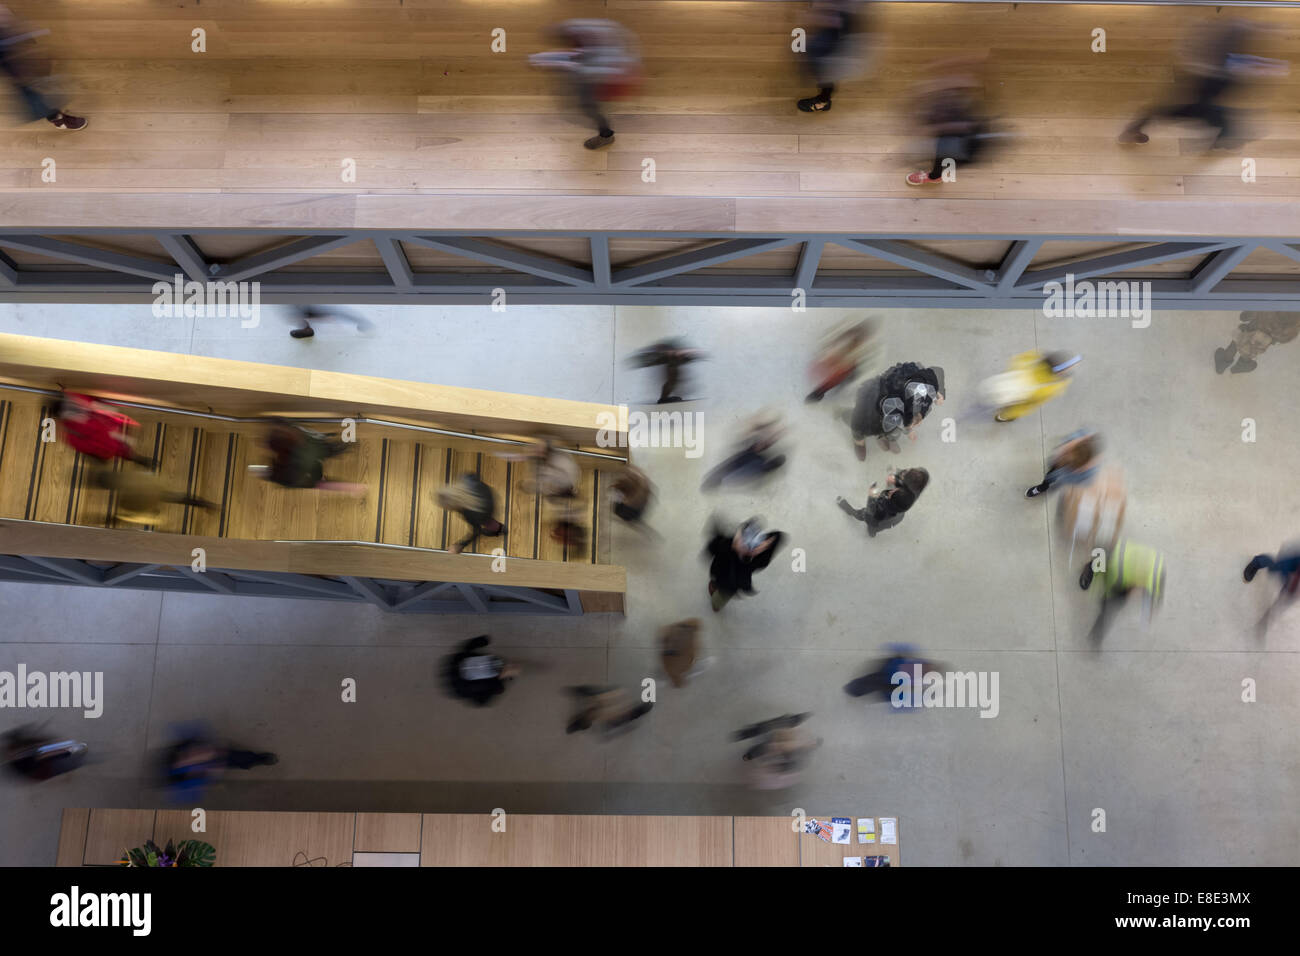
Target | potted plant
(185,853)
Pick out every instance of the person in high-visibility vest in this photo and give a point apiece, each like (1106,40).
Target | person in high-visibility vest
(1130,567)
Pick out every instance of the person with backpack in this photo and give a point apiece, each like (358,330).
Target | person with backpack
(952,111)
(298,459)
(602,62)
(884,509)
(892,405)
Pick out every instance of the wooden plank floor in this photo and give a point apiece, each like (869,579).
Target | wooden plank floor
(410,90)
(49,481)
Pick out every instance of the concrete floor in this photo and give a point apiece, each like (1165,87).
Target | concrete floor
(1151,728)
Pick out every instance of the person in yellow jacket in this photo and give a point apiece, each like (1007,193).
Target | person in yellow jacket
(1033,379)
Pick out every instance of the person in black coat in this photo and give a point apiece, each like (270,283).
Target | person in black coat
(884,509)
(893,404)
(736,558)
(476,676)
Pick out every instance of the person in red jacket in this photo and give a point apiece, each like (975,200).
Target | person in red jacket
(96,430)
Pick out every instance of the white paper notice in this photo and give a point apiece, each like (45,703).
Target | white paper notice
(853,861)
(841,827)
(889,829)
(866,830)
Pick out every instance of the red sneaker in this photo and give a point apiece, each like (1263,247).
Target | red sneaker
(920,179)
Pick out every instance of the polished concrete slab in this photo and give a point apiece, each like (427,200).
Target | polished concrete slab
(1149,726)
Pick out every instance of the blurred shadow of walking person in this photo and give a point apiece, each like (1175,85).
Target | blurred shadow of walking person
(15,66)
(737,558)
(603,65)
(611,707)
(1256,331)
(836,49)
(471,498)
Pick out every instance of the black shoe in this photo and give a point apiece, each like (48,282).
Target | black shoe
(1085,579)
(1035,491)
(599,142)
(1223,358)
(268,759)
(1251,570)
(306,333)
(814,104)
(1245,365)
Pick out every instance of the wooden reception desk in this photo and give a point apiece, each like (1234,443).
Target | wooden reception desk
(257,838)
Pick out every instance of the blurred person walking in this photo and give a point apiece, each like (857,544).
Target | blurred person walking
(755,456)
(679,650)
(953,113)
(1215,65)
(892,405)
(298,459)
(197,760)
(1130,567)
(841,355)
(97,430)
(886,508)
(672,355)
(471,498)
(613,708)
(36,756)
(895,670)
(1031,381)
(1256,331)
(17,67)
(474,675)
(1286,567)
(306,314)
(601,60)
(837,48)
(782,752)
(736,558)
(140,495)
(630,492)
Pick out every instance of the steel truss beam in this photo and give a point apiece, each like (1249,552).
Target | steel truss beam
(713,269)
(400,597)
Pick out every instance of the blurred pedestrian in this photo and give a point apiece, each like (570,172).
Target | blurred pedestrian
(892,405)
(17,67)
(782,752)
(1075,461)
(197,760)
(953,113)
(631,491)
(140,495)
(837,47)
(306,314)
(1256,331)
(1215,65)
(672,355)
(97,430)
(1032,380)
(473,674)
(601,60)
(1286,567)
(298,459)
(840,356)
(35,755)
(679,646)
(885,508)
(613,708)
(1130,567)
(471,498)
(899,667)
(755,456)
(737,557)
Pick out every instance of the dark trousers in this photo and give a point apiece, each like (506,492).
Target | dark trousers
(37,107)
(1203,106)
(590,106)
